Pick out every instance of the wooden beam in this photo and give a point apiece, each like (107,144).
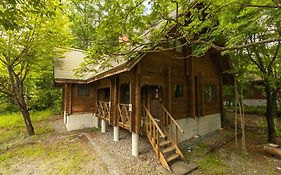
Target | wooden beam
(170,90)
(65,98)
(201,93)
(70,91)
(95,94)
(193,87)
(137,101)
(114,99)
(220,91)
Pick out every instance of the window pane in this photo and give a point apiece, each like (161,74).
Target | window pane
(179,48)
(83,90)
(178,90)
(210,93)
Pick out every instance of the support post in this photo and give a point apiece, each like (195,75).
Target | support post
(103,126)
(116,133)
(169,90)
(135,144)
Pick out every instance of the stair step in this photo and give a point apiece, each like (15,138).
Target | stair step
(173,157)
(167,150)
(166,142)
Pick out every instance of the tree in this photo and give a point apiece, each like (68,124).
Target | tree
(37,34)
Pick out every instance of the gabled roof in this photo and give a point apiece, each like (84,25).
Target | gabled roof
(65,67)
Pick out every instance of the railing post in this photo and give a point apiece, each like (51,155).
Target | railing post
(177,136)
(158,145)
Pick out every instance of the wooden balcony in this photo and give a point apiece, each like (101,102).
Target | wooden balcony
(103,110)
(124,116)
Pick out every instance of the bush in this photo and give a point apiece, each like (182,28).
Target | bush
(259,110)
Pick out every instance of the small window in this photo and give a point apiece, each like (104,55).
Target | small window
(179,48)
(178,90)
(83,90)
(176,44)
(210,93)
(106,92)
(125,93)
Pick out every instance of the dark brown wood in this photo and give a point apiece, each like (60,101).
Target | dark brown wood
(114,99)
(160,70)
(70,89)
(169,89)
(137,100)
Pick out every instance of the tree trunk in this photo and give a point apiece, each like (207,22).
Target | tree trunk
(17,88)
(27,121)
(269,114)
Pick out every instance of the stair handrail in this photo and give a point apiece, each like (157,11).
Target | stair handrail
(174,121)
(154,122)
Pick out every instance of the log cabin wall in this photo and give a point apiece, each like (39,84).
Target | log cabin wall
(209,81)
(164,70)
(176,77)
(83,98)
(183,83)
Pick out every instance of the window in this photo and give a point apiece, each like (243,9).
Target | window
(178,90)
(176,44)
(125,93)
(106,92)
(83,90)
(210,93)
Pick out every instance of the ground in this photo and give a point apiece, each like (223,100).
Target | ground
(224,157)
(55,151)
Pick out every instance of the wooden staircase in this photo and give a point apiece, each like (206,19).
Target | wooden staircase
(164,141)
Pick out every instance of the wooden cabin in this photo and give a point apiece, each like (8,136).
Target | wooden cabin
(255,94)
(169,100)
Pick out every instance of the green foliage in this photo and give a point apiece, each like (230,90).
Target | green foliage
(38,32)
(278,132)
(213,164)
(14,120)
(259,110)
(12,126)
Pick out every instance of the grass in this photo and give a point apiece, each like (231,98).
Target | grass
(12,125)
(47,152)
(212,164)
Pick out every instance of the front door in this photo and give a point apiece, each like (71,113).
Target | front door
(154,97)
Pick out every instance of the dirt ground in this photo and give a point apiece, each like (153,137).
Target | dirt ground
(80,152)
(229,159)
(92,152)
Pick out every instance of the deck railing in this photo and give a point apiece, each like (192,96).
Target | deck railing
(103,110)
(172,128)
(153,131)
(124,115)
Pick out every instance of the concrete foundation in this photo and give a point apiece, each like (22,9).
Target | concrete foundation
(116,133)
(135,144)
(96,121)
(254,102)
(103,126)
(78,121)
(199,126)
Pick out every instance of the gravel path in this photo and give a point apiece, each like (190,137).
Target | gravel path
(115,157)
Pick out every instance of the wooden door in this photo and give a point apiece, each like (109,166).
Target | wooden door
(154,97)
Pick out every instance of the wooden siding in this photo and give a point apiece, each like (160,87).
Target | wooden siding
(163,70)
(82,103)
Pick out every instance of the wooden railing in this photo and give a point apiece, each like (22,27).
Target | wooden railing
(153,131)
(124,115)
(172,128)
(103,110)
